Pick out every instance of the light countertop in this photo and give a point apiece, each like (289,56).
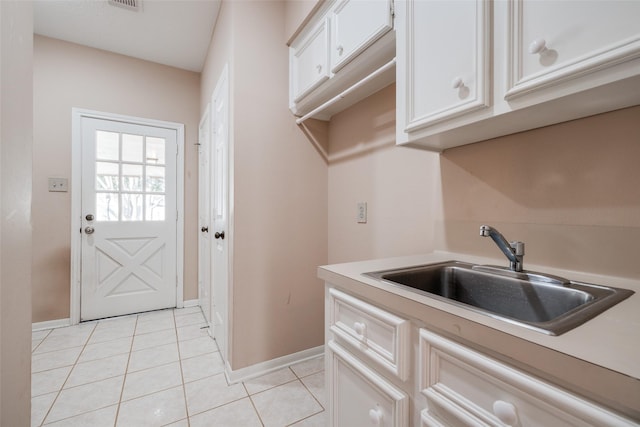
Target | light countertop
(611,340)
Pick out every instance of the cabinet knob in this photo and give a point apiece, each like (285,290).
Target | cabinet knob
(319,68)
(340,49)
(537,46)
(457,83)
(375,415)
(360,328)
(505,412)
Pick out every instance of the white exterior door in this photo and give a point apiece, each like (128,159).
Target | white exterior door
(204,216)
(220,193)
(129,214)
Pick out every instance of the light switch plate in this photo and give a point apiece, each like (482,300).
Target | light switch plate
(361,215)
(59,184)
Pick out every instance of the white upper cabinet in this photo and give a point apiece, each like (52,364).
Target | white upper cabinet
(343,42)
(449,42)
(471,70)
(356,25)
(310,61)
(557,40)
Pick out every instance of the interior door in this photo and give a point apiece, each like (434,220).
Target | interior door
(204,215)
(129,213)
(220,181)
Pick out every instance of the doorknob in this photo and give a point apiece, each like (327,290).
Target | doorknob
(205,229)
(89,230)
(219,235)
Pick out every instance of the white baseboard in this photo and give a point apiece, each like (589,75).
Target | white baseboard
(50,324)
(263,368)
(190,303)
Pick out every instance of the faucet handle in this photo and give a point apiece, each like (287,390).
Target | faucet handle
(518,248)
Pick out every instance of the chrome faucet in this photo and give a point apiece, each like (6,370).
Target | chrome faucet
(514,250)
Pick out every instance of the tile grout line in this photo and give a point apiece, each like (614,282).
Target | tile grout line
(253,405)
(184,387)
(68,375)
(126,369)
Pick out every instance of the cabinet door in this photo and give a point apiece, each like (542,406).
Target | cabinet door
(310,61)
(358,396)
(443,59)
(356,25)
(557,40)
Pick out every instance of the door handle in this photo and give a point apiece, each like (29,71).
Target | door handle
(219,235)
(205,229)
(89,230)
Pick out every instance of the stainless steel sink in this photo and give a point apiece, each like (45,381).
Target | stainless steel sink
(548,304)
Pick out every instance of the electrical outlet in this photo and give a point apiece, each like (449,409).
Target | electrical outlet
(361,215)
(59,184)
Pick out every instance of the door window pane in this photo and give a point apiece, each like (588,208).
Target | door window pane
(155,179)
(155,207)
(107,145)
(131,148)
(107,206)
(132,207)
(107,176)
(132,177)
(155,151)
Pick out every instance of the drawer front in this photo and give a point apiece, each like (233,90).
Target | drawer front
(358,396)
(382,337)
(460,383)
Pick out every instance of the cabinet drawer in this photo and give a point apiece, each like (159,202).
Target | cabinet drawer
(464,387)
(358,396)
(381,336)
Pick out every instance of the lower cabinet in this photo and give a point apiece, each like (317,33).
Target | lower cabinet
(358,396)
(440,383)
(466,388)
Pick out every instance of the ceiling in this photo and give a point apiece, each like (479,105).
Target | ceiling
(170,32)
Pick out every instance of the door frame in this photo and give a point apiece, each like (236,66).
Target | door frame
(77,114)
(206,118)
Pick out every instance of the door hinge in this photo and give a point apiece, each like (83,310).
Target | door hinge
(392,8)
(177,216)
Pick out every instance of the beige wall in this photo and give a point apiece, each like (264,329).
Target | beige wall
(569,191)
(295,14)
(68,75)
(279,191)
(16,133)
(397,183)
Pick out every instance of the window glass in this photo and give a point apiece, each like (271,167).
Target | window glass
(107,176)
(131,207)
(131,148)
(131,177)
(155,179)
(155,207)
(155,151)
(107,145)
(107,206)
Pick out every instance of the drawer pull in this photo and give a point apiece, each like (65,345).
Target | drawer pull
(360,328)
(537,46)
(375,415)
(505,412)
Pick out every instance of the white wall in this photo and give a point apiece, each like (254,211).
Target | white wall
(16,127)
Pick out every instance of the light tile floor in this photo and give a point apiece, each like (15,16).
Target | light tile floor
(161,369)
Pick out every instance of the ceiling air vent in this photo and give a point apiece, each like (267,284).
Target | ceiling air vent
(127,4)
